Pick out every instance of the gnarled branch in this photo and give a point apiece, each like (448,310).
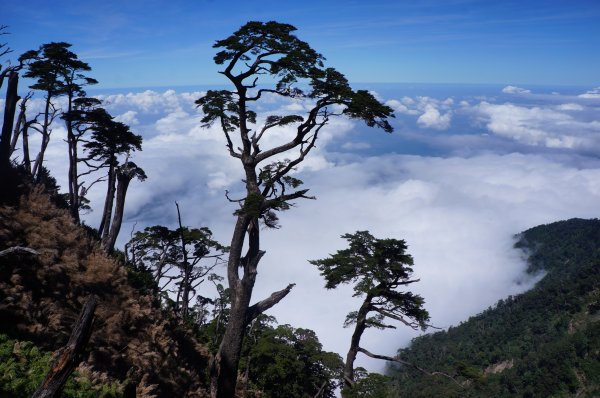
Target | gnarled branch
(260,307)
(18,250)
(410,364)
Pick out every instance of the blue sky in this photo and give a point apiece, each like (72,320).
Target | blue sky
(154,43)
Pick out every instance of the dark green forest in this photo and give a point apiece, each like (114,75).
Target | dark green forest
(542,343)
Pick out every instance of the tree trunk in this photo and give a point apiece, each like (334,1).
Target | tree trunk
(39,160)
(26,158)
(361,324)
(123,179)
(224,365)
(185,282)
(68,357)
(73,183)
(227,359)
(10,107)
(108,202)
(21,119)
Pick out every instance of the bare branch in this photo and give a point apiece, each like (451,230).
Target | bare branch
(406,363)
(16,250)
(260,307)
(302,131)
(285,198)
(413,325)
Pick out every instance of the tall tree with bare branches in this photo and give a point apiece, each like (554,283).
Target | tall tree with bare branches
(270,50)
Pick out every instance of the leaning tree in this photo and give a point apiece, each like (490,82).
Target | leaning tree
(268,53)
(378,268)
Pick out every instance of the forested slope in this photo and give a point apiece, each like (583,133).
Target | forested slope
(542,343)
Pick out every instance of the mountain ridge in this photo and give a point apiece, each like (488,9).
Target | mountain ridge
(542,343)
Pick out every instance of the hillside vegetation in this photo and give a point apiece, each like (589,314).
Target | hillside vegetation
(542,343)
(134,344)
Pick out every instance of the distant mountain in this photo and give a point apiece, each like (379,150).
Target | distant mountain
(542,343)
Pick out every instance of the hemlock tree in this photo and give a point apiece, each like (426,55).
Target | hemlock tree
(109,140)
(125,173)
(74,82)
(82,118)
(56,69)
(377,268)
(270,50)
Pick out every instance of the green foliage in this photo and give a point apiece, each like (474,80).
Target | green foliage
(369,385)
(209,333)
(542,343)
(55,67)
(109,138)
(159,261)
(376,267)
(23,368)
(284,361)
(298,59)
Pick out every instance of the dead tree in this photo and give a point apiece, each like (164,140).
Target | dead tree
(68,357)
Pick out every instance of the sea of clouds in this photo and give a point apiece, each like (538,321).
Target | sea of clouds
(460,176)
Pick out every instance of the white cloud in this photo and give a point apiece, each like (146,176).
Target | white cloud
(128,118)
(428,110)
(400,107)
(594,93)
(432,118)
(570,107)
(515,90)
(541,126)
(457,215)
(356,145)
(149,101)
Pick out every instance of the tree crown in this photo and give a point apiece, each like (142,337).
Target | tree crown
(56,69)
(377,267)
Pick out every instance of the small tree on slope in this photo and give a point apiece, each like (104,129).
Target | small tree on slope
(377,267)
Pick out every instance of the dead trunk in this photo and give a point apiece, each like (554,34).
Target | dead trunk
(39,160)
(108,202)
(73,160)
(21,121)
(68,357)
(26,158)
(123,177)
(10,107)
(184,289)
